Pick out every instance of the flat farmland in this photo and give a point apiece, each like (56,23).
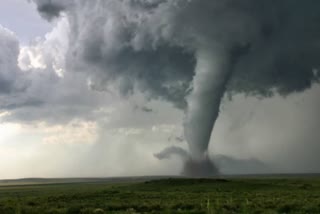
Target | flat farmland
(165,195)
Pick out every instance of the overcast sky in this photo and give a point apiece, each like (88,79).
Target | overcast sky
(68,110)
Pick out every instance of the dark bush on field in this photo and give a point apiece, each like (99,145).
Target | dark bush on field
(74,210)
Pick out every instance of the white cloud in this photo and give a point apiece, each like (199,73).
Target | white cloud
(31,58)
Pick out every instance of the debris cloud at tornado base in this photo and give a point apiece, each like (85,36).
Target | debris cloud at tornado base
(192,52)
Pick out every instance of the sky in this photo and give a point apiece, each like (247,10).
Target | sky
(21,17)
(96,89)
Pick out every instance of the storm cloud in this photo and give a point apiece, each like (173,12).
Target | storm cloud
(191,53)
(139,42)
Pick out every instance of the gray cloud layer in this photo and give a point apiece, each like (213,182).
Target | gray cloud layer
(10,74)
(39,94)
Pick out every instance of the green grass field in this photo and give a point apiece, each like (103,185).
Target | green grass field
(234,195)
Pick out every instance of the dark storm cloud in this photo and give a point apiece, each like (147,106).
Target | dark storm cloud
(150,45)
(200,48)
(152,42)
(50,9)
(162,73)
(286,58)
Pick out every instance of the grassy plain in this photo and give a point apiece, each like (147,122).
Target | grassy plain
(175,195)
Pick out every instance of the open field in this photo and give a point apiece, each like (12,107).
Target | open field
(167,195)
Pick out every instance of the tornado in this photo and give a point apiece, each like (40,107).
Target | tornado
(211,75)
(213,70)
